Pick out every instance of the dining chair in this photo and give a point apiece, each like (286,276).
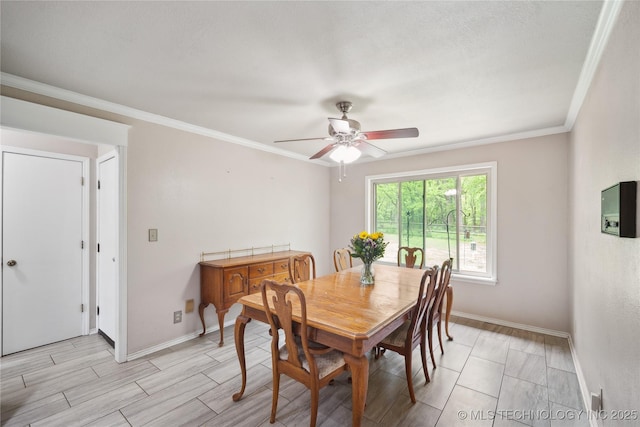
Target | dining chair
(301,359)
(301,268)
(412,332)
(435,316)
(342,259)
(410,257)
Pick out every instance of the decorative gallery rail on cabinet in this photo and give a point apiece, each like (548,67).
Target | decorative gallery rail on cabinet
(223,282)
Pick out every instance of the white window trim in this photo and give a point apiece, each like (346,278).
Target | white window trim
(492,206)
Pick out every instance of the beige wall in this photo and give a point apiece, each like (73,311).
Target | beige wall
(48,143)
(532,214)
(605,270)
(206,195)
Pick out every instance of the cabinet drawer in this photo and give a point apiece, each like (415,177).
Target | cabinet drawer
(254,285)
(282,278)
(261,270)
(281,266)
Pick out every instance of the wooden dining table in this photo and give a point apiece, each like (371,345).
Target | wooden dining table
(347,316)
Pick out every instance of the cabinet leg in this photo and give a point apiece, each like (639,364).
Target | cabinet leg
(201,308)
(221,323)
(241,322)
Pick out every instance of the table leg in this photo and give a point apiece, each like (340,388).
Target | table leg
(448,314)
(359,367)
(241,323)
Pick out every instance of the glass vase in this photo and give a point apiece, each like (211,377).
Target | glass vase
(366,276)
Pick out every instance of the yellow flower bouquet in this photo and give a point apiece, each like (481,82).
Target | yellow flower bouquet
(367,247)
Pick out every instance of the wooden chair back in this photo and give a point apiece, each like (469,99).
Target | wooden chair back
(426,300)
(342,259)
(282,304)
(301,268)
(412,332)
(444,277)
(411,256)
(435,313)
(305,361)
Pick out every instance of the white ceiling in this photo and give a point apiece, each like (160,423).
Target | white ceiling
(262,71)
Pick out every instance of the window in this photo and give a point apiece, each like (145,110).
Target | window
(449,213)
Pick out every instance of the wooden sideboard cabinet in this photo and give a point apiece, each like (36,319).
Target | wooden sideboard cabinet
(223,282)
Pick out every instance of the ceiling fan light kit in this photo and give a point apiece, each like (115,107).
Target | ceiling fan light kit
(345,154)
(348,142)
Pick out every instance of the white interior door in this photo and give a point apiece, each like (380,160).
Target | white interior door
(42,237)
(107,264)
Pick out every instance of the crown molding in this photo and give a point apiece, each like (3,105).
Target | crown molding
(100,104)
(475,142)
(606,22)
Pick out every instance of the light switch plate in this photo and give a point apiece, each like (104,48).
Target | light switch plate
(153,234)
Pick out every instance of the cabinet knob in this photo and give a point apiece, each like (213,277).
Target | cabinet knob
(11,262)
(261,270)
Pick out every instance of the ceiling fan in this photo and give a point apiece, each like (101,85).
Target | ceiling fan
(348,142)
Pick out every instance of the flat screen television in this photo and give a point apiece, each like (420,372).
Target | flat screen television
(618,209)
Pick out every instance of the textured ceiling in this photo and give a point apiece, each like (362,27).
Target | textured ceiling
(264,71)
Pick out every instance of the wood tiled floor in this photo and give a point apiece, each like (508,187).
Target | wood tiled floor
(489,376)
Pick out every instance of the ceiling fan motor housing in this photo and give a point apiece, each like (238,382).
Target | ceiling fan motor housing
(354,128)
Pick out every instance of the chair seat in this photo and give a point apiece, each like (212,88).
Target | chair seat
(326,363)
(398,337)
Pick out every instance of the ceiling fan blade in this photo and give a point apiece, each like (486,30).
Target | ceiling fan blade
(392,133)
(301,139)
(340,125)
(324,151)
(369,149)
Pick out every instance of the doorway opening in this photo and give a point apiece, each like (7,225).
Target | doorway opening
(58,124)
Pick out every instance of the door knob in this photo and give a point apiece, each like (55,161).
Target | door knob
(11,262)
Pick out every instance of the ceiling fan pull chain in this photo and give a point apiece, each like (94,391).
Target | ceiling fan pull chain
(341,171)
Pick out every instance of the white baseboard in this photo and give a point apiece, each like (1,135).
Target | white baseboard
(586,396)
(179,340)
(522,326)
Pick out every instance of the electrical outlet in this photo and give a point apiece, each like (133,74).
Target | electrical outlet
(153,234)
(177,316)
(189,306)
